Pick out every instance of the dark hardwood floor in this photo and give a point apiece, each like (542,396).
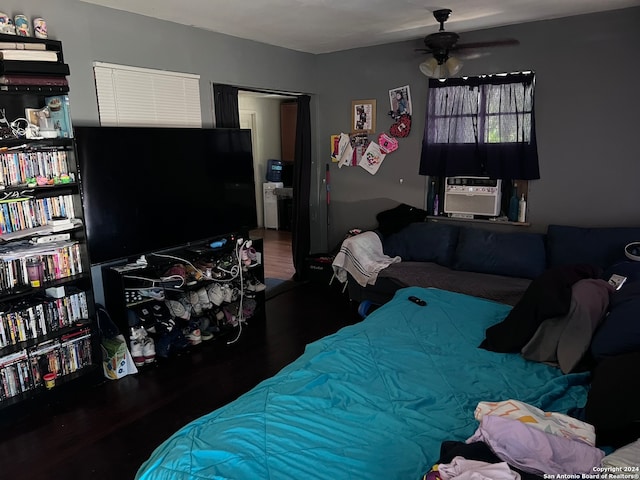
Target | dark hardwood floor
(278,259)
(107,429)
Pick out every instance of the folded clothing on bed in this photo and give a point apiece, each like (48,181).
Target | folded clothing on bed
(551,422)
(536,451)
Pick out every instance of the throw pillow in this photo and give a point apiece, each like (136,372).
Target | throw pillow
(511,254)
(424,242)
(620,331)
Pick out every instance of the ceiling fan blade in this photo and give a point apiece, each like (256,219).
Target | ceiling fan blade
(496,43)
(424,50)
(471,54)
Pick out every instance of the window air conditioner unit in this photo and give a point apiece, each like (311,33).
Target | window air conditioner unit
(469,196)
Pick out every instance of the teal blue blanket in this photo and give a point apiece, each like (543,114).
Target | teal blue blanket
(374,400)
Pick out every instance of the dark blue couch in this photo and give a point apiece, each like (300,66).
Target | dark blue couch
(488,263)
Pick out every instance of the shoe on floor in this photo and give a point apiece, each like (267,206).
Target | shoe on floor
(142,346)
(203,324)
(149,350)
(135,348)
(192,333)
(255,285)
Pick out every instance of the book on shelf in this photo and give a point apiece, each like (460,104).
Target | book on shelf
(22,46)
(56,221)
(40,80)
(60,225)
(37,55)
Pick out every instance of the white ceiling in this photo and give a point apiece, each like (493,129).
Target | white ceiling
(322,26)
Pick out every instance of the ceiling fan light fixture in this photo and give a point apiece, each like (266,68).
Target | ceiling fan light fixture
(429,67)
(434,69)
(453,66)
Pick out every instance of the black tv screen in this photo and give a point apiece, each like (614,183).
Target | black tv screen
(149,189)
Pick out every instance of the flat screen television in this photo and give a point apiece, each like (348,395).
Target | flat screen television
(150,189)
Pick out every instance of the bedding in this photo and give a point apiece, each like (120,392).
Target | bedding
(374,400)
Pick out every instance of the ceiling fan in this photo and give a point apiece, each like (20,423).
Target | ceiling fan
(442,44)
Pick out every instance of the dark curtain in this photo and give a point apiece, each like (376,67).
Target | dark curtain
(225,100)
(481,126)
(301,223)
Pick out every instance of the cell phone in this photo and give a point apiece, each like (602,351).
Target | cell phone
(617,281)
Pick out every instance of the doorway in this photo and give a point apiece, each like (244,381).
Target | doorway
(260,112)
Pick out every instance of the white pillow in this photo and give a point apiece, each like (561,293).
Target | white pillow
(626,456)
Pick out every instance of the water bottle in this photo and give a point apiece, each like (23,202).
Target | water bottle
(431,197)
(513,204)
(522,210)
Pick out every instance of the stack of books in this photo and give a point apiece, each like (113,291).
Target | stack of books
(60,224)
(37,55)
(31,64)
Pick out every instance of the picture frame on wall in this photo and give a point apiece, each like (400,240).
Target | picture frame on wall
(363,116)
(400,100)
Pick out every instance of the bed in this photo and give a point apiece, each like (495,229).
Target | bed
(374,400)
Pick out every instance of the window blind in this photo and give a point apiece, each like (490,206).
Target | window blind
(133,96)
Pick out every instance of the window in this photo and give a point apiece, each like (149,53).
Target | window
(134,96)
(481,126)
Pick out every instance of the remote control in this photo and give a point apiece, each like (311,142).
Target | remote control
(417,301)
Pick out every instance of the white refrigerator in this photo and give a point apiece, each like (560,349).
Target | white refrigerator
(270,201)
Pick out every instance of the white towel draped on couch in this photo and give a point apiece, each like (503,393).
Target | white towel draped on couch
(361,256)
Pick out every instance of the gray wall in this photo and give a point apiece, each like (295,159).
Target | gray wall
(587,118)
(587,108)
(91,33)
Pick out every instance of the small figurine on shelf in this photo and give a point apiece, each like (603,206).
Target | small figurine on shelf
(6,24)
(23,28)
(40,28)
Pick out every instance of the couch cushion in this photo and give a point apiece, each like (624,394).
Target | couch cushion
(498,288)
(597,246)
(511,254)
(423,242)
(620,331)
(631,287)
